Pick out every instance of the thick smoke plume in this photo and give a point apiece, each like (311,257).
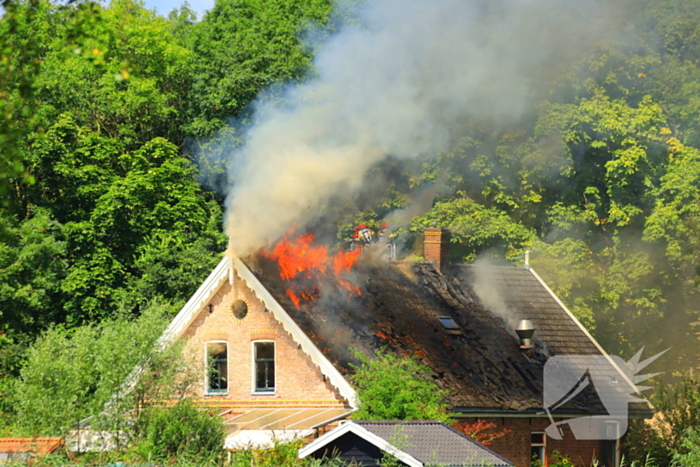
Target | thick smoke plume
(394,83)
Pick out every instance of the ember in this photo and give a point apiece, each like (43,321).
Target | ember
(306,265)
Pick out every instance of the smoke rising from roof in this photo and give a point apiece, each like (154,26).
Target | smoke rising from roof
(393,85)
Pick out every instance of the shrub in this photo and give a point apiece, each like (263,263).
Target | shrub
(395,388)
(182,430)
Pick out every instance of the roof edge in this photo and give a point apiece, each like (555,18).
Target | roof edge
(320,360)
(194,305)
(588,334)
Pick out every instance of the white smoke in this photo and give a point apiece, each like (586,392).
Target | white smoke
(394,85)
(488,289)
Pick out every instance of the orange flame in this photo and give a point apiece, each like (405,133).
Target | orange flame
(299,258)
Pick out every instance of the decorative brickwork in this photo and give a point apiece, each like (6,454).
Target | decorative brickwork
(298,382)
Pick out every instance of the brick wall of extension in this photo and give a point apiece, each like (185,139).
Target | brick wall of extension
(298,382)
(516,446)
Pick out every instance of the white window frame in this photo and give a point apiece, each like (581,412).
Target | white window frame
(614,425)
(543,446)
(254,385)
(207,390)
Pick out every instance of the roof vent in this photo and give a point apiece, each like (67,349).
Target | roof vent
(525,330)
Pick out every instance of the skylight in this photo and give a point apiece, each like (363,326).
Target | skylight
(448,322)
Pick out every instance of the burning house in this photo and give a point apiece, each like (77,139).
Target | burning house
(272,333)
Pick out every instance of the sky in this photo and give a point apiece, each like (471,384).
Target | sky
(163,7)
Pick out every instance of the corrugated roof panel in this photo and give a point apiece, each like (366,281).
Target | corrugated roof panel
(286,419)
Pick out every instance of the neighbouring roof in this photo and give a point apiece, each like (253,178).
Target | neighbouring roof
(398,305)
(414,442)
(10,447)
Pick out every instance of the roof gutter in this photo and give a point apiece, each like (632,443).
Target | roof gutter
(475,412)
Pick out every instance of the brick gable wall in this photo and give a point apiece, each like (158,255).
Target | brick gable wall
(298,381)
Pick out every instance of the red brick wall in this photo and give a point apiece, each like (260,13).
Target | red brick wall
(436,244)
(298,380)
(515,446)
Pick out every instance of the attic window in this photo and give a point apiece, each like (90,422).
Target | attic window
(448,322)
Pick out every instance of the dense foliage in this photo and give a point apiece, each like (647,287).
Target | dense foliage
(394,388)
(181,431)
(81,373)
(672,434)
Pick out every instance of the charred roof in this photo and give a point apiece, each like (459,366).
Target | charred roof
(403,307)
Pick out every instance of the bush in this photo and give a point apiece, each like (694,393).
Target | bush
(69,374)
(643,442)
(395,388)
(691,444)
(180,431)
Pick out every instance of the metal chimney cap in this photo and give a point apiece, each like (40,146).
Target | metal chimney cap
(525,325)
(525,330)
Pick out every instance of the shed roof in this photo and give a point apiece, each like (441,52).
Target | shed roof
(10,447)
(415,442)
(38,446)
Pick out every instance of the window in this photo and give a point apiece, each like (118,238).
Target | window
(216,367)
(537,448)
(611,448)
(448,322)
(264,355)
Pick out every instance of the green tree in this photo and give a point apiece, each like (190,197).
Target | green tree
(243,47)
(476,228)
(106,231)
(70,375)
(126,77)
(19,64)
(395,388)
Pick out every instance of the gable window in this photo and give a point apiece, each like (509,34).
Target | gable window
(216,367)
(538,445)
(264,355)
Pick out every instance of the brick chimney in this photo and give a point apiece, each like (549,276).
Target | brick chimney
(436,245)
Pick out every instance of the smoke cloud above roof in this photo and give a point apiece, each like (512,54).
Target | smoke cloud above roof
(394,83)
